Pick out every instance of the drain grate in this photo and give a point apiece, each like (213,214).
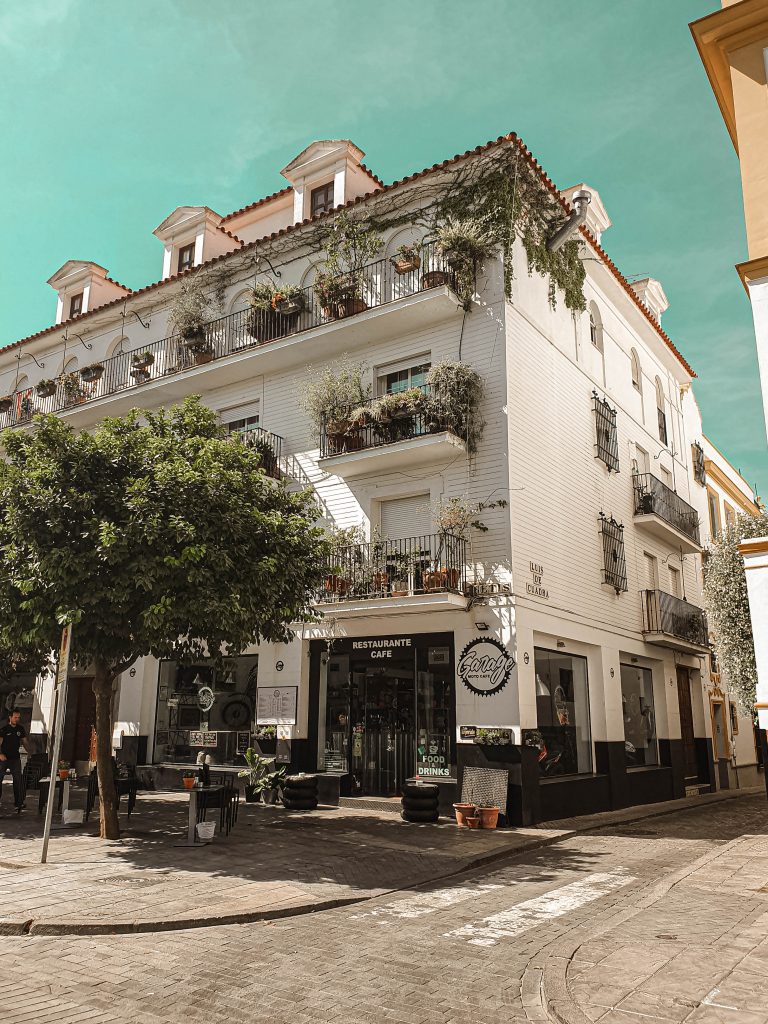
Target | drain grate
(132,881)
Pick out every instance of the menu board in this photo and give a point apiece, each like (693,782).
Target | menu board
(203,739)
(276,705)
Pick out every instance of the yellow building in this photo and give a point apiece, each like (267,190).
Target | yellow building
(733,44)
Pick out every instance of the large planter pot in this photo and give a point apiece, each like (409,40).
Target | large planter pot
(289,307)
(251,795)
(463,811)
(350,304)
(435,278)
(489,816)
(441,579)
(270,796)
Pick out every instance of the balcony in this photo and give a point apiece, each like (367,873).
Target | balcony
(668,621)
(268,445)
(662,512)
(401,431)
(409,575)
(251,341)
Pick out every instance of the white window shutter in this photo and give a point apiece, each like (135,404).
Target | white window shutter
(406,517)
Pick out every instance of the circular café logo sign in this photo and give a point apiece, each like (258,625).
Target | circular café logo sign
(485,666)
(205,698)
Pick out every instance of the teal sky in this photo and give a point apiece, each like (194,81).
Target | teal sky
(114,113)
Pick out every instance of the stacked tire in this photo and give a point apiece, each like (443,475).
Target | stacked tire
(300,792)
(420,802)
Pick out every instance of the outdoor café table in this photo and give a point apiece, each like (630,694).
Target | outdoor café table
(194,793)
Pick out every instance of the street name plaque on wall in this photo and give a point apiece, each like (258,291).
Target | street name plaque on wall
(485,666)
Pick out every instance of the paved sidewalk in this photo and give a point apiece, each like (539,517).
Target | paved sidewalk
(273,864)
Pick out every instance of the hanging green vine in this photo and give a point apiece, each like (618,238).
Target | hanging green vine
(498,190)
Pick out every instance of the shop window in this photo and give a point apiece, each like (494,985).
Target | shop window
(387,711)
(640,745)
(562,709)
(614,557)
(606,432)
(76,305)
(321,199)
(401,376)
(186,257)
(206,708)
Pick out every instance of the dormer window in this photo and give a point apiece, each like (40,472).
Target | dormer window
(186,257)
(76,305)
(321,199)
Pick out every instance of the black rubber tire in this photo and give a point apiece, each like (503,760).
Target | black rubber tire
(421,790)
(412,804)
(301,794)
(299,805)
(420,816)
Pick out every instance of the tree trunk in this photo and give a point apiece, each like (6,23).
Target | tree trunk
(109,826)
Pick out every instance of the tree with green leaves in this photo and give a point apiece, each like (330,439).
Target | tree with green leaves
(154,534)
(725,587)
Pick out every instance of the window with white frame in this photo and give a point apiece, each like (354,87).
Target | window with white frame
(636,371)
(186,257)
(661,414)
(243,418)
(396,377)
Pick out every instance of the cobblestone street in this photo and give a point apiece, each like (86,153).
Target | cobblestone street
(663,919)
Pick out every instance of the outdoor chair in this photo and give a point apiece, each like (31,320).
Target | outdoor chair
(226,801)
(125,785)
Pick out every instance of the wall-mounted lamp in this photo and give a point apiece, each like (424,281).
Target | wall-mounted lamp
(483,626)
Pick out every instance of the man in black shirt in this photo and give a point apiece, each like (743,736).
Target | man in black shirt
(12,736)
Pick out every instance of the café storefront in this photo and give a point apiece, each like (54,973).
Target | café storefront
(386,712)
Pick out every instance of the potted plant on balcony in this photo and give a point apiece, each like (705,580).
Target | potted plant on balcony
(465,243)
(75,390)
(330,399)
(263,323)
(5,404)
(288,300)
(407,258)
(46,388)
(342,545)
(395,414)
(454,518)
(401,564)
(90,374)
(454,393)
(350,243)
(188,319)
(266,452)
(142,360)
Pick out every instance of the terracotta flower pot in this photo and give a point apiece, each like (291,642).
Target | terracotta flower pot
(489,816)
(189,783)
(404,265)
(63,773)
(474,822)
(463,811)
(435,278)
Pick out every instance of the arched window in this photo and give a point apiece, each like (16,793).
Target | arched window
(595,328)
(71,365)
(636,372)
(662,416)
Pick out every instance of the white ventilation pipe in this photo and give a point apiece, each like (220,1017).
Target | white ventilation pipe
(580,201)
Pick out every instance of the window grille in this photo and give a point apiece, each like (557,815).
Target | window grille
(614,558)
(699,472)
(607,446)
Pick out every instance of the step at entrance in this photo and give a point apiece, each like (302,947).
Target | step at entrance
(391,805)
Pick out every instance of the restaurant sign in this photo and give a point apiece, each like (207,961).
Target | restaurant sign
(485,666)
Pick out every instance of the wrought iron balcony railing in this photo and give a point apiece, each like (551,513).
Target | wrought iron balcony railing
(671,616)
(269,446)
(377,284)
(653,497)
(385,420)
(396,568)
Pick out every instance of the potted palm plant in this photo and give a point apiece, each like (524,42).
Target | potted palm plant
(256,774)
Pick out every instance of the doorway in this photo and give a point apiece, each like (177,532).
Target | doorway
(387,712)
(80,720)
(686,724)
